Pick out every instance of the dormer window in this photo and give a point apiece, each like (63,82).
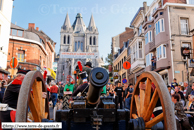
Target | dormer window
(15,32)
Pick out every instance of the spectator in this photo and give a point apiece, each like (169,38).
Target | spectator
(107,87)
(54,91)
(2,90)
(111,91)
(153,62)
(128,96)
(124,92)
(192,89)
(181,118)
(189,102)
(187,90)
(174,83)
(119,93)
(182,90)
(177,91)
(60,92)
(169,89)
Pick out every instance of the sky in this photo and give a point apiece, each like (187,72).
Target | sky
(111,17)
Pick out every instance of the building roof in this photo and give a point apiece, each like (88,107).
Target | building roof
(16,27)
(92,23)
(141,8)
(67,23)
(79,25)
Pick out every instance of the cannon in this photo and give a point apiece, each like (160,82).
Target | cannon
(95,112)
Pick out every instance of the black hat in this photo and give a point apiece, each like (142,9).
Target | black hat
(88,64)
(20,71)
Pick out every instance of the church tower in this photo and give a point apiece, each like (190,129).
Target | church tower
(77,38)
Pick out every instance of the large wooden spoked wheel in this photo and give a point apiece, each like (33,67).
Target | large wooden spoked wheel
(39,108)
(144,101)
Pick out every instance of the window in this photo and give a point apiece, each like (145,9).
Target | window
(140,30)
(140,49)
(159,26)
(75,46)
(21,55)
(78,44)
(190,2)
(161,52)
(186,44)
(94,41)
(90,40)
(68,40)
(148,59)
(149,17)
(1,4)
(82,46)
(14,32)
(184,26)
(129,50)
(148,37)
(20,33)
(149,26)
(64,40)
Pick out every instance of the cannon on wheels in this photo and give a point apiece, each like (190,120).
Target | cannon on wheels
(101,113)
(31,107)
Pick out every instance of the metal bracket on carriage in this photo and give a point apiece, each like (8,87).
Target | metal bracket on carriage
(96,120)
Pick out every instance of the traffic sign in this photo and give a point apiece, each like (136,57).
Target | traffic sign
(126,65)
(13,63)
(124,81)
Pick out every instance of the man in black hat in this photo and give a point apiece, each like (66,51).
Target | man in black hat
(83,79)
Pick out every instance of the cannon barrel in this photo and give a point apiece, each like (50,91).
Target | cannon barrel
(98,79)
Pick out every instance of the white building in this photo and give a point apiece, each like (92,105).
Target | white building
(5,22)
(77,38)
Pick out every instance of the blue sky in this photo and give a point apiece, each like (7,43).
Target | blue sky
(111,16)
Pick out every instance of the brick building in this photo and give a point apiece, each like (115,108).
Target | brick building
(33,48)
(119,50)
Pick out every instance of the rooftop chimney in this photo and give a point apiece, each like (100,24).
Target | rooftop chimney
(31,26)
(37,28)
(145,7)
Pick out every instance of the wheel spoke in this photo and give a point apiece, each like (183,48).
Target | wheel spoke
(151,106)
(46,115)
(142,96)
(154,121)
(134,116)
(34,110)
(147,97)
(37,93)
(137,103)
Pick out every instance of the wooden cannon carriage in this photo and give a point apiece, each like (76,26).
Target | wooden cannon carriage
(93,112)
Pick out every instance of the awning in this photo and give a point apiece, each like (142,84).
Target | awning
(51,73)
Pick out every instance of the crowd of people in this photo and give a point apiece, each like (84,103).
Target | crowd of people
(183,101)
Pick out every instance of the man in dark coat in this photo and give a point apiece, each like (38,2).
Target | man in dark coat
(11,95)
(83,79)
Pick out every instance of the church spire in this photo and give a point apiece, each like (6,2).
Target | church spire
(92,23)
(67,23)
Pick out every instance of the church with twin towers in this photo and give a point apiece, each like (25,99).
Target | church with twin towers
(77,38)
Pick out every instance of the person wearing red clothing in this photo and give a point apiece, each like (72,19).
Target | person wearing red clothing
(54,91)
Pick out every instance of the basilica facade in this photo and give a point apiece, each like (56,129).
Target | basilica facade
(77,38)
